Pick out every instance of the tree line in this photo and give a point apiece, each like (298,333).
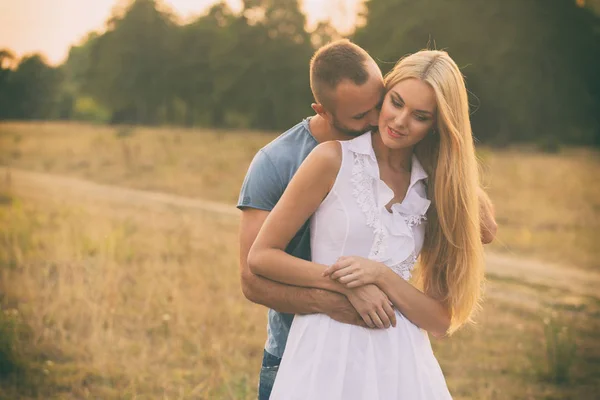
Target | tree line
(532,67)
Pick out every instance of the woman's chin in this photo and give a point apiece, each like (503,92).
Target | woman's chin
(393,143)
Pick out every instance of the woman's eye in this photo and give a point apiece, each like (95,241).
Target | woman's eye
(396,103)
(421,118)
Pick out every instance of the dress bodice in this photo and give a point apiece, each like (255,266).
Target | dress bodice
(353,219)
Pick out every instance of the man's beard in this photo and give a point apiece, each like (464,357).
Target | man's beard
(351,132)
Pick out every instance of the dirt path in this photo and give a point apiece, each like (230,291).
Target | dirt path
(47,186)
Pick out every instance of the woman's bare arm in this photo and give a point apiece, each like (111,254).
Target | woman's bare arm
(305,192)
(421,309)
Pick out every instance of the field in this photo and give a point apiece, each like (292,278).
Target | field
(126,297)
(548,205)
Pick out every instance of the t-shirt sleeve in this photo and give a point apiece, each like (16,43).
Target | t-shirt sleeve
(262,185)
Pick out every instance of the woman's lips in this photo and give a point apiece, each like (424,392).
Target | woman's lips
(395,134)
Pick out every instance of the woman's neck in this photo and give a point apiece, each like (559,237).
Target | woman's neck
(395,159)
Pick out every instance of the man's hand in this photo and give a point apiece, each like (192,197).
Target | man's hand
(373,306)
(284,298)
(341,310)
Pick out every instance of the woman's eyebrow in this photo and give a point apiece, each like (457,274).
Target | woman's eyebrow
(402,100)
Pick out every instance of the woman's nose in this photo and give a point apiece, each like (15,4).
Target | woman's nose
(400,118)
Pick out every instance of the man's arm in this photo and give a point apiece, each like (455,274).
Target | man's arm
(281,297)
(487,216)
(311,183)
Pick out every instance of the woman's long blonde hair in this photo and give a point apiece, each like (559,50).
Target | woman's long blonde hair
(451,265)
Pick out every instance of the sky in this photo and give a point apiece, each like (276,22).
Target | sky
(52,26)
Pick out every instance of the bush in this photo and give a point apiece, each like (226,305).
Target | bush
(548,144)
(561,351)
(9,335)
(86,109)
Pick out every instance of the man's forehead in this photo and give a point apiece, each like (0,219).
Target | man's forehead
(352,99)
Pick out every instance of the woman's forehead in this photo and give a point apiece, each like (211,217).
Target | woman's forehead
(415,93)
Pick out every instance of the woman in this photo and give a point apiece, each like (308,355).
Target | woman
(380,201)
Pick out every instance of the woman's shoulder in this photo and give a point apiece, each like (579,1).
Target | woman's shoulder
(327,154)
(323,163)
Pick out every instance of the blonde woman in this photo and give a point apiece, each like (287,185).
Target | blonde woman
(378,203)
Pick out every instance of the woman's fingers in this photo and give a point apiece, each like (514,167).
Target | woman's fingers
(342,272)
(354,284)
(341,263)
(345,279)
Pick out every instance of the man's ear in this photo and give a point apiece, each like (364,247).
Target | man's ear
(319,109)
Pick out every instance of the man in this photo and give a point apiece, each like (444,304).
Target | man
(348,88)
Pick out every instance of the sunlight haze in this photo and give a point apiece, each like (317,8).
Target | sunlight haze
(52,26)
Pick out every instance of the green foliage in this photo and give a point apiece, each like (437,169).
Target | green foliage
(548,144)
(561,351)
(131,63)
(276,51)
(9,360)
(30,90)
(86,109)
(531,67)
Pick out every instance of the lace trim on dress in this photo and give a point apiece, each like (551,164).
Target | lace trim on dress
(364,194)
(412,220)
(404,268)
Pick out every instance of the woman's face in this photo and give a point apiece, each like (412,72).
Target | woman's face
(407,113)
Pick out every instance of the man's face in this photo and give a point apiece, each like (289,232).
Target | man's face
(356,108)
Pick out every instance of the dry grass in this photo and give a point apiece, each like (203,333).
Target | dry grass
(199,163)
(148,306)
(548,205)
(145,307)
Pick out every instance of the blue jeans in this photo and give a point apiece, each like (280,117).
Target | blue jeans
(268,372)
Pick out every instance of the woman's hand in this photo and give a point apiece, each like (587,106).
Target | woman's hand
(353,271)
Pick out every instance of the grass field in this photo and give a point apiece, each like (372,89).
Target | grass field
(146,304)
(547,205)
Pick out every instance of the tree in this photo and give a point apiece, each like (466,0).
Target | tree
(200,42)
(131,64)
(33,89)
(528,78)
(324,33)
(275,51)
(7,65)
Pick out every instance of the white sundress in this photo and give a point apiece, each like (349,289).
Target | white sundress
(326,359)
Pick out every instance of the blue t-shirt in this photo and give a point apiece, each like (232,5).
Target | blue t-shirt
(269,174)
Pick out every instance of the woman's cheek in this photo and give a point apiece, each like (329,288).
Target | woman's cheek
(420,132)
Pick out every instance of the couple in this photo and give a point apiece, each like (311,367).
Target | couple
(337,211)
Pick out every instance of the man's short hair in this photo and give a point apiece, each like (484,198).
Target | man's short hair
(334,63)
